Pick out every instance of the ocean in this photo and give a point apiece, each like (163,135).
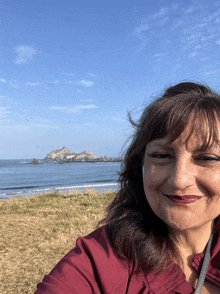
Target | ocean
(20,178)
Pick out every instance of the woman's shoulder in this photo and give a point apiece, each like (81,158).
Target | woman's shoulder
(93,267)
(94,246)
(90,267)
(95,249)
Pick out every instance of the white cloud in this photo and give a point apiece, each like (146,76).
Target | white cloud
(140,29)
(178,25)
(198,47)
(75,109)
(163,12)
(189,10)
(82,83)
(152,20)
(86,83)
(3,81)
(43,120)
(118,119)
(91,75)
(24,54)
(205,58)
(33,84)
(212,72)
(159,55)
(14,84)
(16,128)
(59,108)
(45,126)
(86,100)
(193,54)
(89,124)
(4,112)
(68,74)
(55,82)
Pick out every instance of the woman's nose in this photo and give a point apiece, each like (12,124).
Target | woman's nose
(181,174)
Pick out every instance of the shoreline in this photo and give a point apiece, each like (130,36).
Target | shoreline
(97,187)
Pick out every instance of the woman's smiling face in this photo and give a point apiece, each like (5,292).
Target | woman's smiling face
(181,182)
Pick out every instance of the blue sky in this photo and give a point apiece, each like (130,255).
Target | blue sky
(71,70)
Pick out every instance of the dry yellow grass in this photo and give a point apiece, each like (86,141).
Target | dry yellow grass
(37,231)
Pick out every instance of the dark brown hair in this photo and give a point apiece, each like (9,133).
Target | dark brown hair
(133,230)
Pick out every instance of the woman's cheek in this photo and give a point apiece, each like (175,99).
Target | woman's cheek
(210,181)
(158,175)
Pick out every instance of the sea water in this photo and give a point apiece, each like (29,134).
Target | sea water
(19,177)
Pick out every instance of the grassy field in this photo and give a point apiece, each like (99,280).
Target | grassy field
(37,231)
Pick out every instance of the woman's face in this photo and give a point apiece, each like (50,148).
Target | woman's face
(181,183)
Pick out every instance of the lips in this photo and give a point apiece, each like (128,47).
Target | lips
(185,199)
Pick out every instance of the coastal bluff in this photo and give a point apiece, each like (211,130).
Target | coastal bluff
(64,155)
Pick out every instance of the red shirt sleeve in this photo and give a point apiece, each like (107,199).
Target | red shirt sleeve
(91,267)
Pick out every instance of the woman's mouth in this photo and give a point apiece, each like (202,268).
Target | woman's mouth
(186,199)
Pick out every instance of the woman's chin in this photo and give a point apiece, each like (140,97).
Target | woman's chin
(181,220)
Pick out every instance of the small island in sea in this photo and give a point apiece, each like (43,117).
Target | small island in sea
(64,155)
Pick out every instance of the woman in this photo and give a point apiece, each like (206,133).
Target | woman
(166,216)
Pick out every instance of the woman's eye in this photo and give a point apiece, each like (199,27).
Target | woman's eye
(159,155)
(208,157)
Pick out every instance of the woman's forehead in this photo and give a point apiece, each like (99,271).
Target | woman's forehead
(191,137)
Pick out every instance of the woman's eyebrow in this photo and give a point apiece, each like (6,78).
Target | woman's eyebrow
(210,148)
(164,145)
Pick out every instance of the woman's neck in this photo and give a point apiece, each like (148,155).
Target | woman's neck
(193,241)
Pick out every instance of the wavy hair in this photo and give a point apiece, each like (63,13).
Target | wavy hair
(134,231)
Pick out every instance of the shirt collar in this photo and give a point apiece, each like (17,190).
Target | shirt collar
(167,282)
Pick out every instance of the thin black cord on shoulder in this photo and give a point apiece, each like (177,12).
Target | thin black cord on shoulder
(129,278)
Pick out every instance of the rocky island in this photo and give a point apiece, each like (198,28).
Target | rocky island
(64,155)
(35,161)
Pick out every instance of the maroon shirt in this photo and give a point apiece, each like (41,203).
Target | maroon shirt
(93,268)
